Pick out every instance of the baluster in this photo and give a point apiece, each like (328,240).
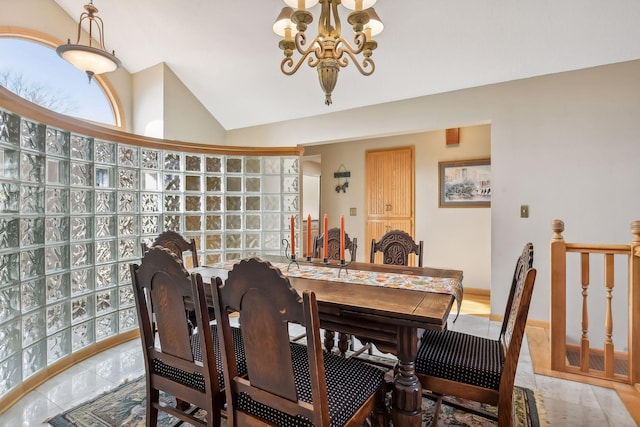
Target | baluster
(634,306)
(558,297)
(608,342)
(584,347)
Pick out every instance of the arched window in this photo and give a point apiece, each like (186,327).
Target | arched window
(30,68)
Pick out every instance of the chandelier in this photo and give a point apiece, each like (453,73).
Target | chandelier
(89,58)
(328,51)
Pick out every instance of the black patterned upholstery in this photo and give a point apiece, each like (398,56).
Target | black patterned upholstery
(195,380)
(460,357)
(349,384)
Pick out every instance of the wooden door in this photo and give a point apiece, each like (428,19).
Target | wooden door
(390,192)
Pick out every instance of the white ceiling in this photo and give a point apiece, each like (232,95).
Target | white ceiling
(227,55)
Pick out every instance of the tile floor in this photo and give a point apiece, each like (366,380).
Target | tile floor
(566,403)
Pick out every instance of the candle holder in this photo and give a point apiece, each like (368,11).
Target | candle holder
(288,255)
(343,266)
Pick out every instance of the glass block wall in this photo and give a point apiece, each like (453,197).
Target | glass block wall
(74,211)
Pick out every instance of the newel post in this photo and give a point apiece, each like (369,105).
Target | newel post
(558,324)
(634,305)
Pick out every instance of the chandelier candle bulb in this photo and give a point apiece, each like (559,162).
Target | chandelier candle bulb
(341,238)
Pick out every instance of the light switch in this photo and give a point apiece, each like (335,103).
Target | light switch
(352,211)
(524,211)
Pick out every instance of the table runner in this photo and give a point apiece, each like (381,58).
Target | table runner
(443,285)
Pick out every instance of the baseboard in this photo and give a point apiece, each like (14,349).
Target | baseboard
(477,292)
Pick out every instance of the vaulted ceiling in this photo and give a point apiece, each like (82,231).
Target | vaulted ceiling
(226,53)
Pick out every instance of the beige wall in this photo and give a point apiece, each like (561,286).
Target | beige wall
(453,237)
(165,108)
(185,118)
(149,108)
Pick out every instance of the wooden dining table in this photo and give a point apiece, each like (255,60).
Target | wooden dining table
(388,317)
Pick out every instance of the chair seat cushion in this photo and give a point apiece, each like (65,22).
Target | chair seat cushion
(349,384)
(194,379)
(460,357)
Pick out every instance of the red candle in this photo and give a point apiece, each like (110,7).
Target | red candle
(325,243)
(342,237)
(293,233)
(309,236)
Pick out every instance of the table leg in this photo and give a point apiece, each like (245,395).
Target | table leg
(407,393)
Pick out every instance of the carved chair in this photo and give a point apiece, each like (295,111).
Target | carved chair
(183,364)
(451,363)
(177,244)
(333,242)
(287,383)
(396,245)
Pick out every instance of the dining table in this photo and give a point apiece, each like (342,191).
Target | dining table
(385,305)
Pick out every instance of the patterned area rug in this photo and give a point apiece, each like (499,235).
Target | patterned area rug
(125,406)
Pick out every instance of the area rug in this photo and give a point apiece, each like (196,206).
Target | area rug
(125,406)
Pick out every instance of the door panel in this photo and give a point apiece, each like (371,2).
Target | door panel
(389,193)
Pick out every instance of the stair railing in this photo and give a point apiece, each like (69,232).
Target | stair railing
(630,360)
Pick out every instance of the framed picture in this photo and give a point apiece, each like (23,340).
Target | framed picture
(465,183)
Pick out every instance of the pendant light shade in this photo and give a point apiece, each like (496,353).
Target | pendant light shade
(92,57)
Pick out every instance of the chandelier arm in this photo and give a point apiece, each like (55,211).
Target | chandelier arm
(366,63)
(343,46)
(100,26)
(324,23)
(336,18)
(83,16)
(287,65)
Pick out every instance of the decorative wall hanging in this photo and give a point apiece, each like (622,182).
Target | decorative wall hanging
(342,172)
(465,183)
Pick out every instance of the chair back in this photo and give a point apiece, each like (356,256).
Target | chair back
(395,246)
(524,263)
(163,291)
(515,319)
(333,243)
(267,302)
(177,244)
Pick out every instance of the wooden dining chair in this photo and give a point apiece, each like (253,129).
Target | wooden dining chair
(183,364)
(177,244)
(451,363)
(333,244)
(287,383)
(395,246)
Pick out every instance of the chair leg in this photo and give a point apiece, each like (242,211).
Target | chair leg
(381,416)
(153,398)
(505,411)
